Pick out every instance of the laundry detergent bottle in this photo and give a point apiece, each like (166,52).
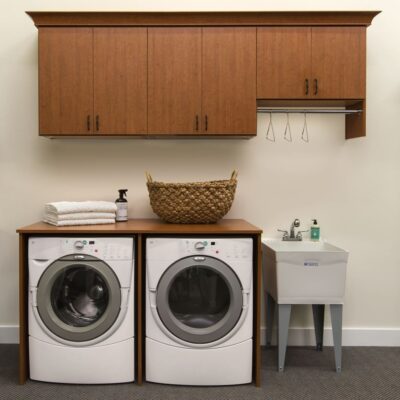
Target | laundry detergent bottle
(122,206)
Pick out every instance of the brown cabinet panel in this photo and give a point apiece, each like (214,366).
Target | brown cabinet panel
(65,81)
(174,82)
(284,63)
(338,62)
(120,80)
(229,81)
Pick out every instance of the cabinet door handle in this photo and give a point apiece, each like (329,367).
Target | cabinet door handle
(88,122)
(97,122)
(315,86)
(197,122)
(206,123)
(306,86)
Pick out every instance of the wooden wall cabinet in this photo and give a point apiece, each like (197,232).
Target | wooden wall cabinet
(199,74)
(311,63)
(174,81)
(66,81)
(338,62)
(202,81)
(120,81)
(283,62)
(92,81)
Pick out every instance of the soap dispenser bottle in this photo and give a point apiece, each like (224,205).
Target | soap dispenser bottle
(122,206)
(315,230)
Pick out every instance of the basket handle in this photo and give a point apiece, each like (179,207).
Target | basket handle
(234,175)
(149,178)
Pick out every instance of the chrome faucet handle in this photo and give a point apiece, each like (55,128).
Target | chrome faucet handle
(285,233)
(299,235)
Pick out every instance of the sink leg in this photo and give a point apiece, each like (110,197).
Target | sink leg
(318,314)
(336,317)
(283,331)
(271,304)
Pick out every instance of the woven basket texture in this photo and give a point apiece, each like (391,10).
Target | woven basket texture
(192,203)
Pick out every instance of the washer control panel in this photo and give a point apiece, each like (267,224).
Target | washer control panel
(104,248)
(230,248)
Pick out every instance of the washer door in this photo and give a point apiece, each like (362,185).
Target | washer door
(78,300)
(199,299)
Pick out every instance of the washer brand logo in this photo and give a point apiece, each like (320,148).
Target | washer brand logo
(311,263)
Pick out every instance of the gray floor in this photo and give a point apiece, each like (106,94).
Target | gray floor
(368,373)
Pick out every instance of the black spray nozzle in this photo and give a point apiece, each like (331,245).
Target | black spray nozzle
(122,193)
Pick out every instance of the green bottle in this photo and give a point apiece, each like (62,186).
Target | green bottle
(315,230)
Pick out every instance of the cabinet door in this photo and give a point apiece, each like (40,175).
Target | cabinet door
(120,80)
(174,80)
(283,63)
(338,62)
(229,81)
(65,81)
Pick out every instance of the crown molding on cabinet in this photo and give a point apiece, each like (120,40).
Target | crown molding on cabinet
(208,18)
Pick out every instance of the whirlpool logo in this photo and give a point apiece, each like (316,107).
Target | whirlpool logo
(311,263)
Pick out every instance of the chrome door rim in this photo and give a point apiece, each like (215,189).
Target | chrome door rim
(49,317)
(200,335)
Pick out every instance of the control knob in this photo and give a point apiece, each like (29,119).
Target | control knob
(199,246)
(79,245)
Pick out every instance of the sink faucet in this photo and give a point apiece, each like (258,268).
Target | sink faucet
(292,236)
(295,223)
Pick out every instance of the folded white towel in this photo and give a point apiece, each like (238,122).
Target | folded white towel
(72,222)
(69,207)
(54,217)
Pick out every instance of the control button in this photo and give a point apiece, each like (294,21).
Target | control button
(199,245)
(84,242)
(79,245)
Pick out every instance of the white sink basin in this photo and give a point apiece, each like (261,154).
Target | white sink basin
(279,246)
(304,272)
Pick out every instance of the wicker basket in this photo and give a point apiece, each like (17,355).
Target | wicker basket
(192,203)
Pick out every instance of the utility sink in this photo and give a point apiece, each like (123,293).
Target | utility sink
(304,272)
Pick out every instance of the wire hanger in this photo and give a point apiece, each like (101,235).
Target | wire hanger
(270,130)
(304,132)
(288,132)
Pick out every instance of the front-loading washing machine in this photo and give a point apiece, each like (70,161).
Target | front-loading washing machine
(81,309)
(199,310)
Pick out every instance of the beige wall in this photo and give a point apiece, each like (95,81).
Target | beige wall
(352,187)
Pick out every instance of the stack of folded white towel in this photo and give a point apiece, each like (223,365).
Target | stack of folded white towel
(64,213)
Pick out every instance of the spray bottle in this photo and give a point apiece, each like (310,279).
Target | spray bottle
(122,206)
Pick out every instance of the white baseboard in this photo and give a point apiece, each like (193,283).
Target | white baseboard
(9,334)
(381,337)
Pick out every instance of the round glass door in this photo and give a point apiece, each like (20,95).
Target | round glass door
(79,296)
(78,301)
(199,302)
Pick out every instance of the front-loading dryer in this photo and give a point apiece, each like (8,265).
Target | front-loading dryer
(81,309)
(199,310)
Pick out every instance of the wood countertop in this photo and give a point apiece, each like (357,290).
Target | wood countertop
(139,226)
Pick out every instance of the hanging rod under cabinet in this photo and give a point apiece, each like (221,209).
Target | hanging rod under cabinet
(267,110)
